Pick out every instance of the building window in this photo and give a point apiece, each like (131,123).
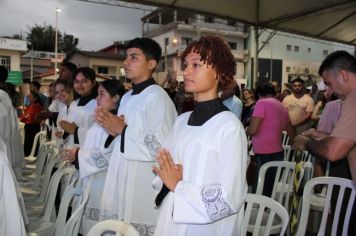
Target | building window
(325,53)
(5,61)
(209,19)
(309,50)
(296,48)
(166,41)
(289,47)
(103,70)
(233,45)
(186,41)
(288,69)
(231,22)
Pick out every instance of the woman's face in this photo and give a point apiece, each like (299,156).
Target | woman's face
(105,100)
(62,94)
(246,95)
(199,78)
(31,98)
(327,94)
(82,85)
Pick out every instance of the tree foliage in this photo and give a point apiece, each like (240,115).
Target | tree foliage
(42,38)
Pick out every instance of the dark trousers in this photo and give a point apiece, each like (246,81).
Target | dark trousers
(261,159)
(30,132)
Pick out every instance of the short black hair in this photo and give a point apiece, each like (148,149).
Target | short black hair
(36,84)
(338,60)
(265,89)
(70,66)
(149,47)
(3,74)
(114,87)
(298,79)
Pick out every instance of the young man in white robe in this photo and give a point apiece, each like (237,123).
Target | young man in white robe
(146,115)
(9,131)
(204,166)
(94,156)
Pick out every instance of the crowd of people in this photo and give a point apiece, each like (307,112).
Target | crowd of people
(189,140)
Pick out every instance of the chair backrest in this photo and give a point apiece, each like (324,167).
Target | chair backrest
(287,152)
(263,204)
(45,180)
(118,227)
(306,157)
(285,138)
(53,188)
(45,149)
(331,183)
(283,182)
(40,137)
(22,131)
(70,227)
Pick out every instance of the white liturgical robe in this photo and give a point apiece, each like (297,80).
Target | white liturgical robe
(11,220)
(10,134)
(128,193)
(82,116)
(209,200)
(94,160)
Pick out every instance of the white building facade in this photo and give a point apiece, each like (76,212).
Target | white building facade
(175,29)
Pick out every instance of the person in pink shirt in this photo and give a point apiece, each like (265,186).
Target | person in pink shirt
(268,121)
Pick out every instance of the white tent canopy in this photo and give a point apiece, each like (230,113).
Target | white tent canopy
(333,20)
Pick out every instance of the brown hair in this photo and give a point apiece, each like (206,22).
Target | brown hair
(216,52)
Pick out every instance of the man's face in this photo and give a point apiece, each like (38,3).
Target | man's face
(276,86)
(334,82)
(65,73)
(298,87)
(137,66)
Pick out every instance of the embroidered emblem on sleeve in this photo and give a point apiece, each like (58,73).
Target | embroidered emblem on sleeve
(216,206)
(152,145)
(99,159)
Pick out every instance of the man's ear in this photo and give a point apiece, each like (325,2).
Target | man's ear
(152,64)
(344,76)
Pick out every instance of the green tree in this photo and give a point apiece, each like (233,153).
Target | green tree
(42,38)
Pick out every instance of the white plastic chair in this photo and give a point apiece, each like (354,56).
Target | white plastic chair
(44,209)
(37,189)
(40,137)
(22,131)
(118,227)
(255,220)
(330,182)
(283,182)
(63,227)
(34,171)
(282,189)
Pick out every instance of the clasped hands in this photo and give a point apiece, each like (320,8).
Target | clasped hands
(67,126)
(300,141)
(113,124)
(169,172)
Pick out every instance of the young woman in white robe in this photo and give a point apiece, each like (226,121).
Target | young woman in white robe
(204,166)
(145,117)
(64,96)
(94,156)
(80,114)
